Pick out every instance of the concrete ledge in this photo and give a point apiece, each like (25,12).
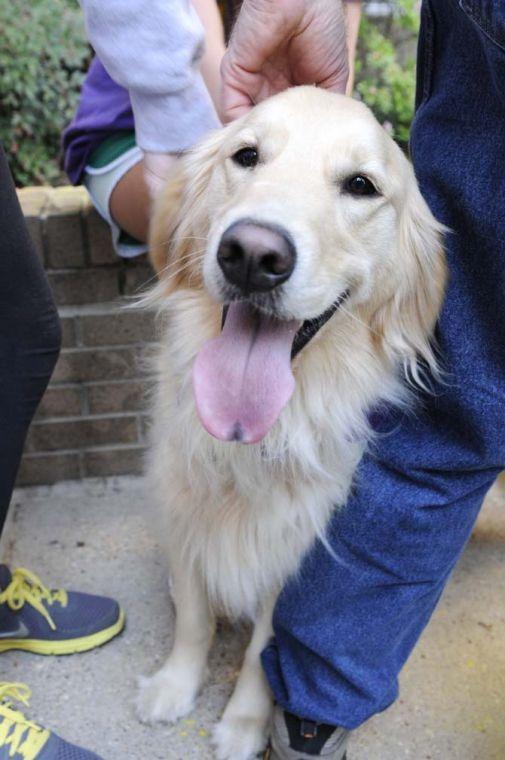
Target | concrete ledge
(46,201)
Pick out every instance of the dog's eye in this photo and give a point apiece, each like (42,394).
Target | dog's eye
(359,185)
(246,157)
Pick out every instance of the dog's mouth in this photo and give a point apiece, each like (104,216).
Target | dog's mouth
(243,379)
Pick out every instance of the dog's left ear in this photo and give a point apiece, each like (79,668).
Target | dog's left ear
(180,223)
(407,321)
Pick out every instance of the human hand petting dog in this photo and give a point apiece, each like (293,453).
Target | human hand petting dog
(275,44)
(280,43)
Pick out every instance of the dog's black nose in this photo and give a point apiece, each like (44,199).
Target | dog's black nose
(256,257)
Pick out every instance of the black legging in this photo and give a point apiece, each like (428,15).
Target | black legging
(29,334)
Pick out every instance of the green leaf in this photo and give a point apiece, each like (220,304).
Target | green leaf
(385,68)
(43,59)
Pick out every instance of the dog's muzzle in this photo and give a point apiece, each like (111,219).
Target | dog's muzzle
(256,257)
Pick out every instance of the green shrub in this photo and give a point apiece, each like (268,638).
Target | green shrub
(385,67)
(43,59)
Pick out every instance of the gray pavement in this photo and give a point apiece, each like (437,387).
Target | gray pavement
(94,536)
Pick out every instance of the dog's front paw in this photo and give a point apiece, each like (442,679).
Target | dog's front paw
(239,738)
(165,697)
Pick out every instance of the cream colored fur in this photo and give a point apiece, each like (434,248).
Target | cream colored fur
(237,520)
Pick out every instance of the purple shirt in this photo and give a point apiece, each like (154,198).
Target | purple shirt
(104,109)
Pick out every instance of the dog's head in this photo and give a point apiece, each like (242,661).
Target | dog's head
(304,202)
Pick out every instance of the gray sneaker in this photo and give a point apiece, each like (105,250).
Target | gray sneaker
(294,738)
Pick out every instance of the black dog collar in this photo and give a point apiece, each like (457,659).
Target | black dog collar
(312,326)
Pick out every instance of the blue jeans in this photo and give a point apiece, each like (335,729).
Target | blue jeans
(343,630)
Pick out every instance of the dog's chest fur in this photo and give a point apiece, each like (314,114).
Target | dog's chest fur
(245,515)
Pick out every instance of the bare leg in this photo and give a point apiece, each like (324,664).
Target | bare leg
(242,731)
(130,204)
(171,692)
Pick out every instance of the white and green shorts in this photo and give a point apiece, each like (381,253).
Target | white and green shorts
(108,163)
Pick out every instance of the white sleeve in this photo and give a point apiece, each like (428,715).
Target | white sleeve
(152,48)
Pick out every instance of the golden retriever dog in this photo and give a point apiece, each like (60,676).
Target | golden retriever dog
(302,214)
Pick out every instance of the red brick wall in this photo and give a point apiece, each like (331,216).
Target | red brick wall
(92,419)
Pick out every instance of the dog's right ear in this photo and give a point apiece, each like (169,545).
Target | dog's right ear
(165,220)
(180,220)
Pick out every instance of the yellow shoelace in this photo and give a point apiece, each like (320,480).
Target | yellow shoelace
(24,737)
(25,587)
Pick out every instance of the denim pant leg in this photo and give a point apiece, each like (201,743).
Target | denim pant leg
(344,628)
(29,334)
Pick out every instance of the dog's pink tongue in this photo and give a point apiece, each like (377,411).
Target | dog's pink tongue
(243,379)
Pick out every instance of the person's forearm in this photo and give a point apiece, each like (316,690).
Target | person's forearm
(151,47)
(210,17)
(353,14)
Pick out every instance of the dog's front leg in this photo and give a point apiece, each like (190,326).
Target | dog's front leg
(242,731)
(171,692)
